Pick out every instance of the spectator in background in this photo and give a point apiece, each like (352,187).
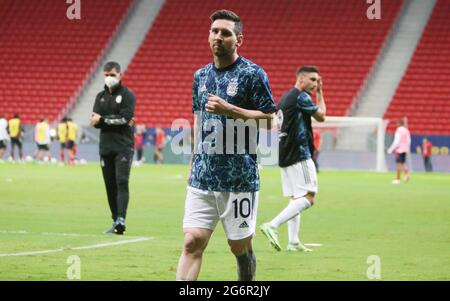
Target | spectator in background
(71,144)
(160,142)
(426,154)
(3,136)
(401,146)
(42,139)
(139,142)
(15,130)
(62,137)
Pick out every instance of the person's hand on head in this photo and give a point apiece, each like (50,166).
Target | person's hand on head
(319,85)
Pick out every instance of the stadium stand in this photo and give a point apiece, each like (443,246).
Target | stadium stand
(424,90)
(335,35)
(48,57)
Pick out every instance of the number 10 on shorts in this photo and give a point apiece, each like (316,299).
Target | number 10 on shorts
(243,215)
(242,208)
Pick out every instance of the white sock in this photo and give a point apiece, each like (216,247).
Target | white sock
(294,229)
(295,207)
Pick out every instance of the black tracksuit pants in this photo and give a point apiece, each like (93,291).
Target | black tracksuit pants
(116,174)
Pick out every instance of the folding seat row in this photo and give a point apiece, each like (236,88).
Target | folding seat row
(41,49)
(415,96)
(345,53)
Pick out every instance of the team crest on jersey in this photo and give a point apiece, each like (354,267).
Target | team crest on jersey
(102,99)
(232,87)
(119,99)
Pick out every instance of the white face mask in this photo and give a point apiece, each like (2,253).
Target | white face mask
(111,81)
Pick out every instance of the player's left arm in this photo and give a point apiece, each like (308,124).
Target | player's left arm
(408,139)
(395,143)
(21,132)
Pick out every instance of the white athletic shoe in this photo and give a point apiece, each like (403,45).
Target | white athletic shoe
(298,248)
(271,234)
(406,179)
(395,181)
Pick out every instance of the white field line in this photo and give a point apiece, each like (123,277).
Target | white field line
(100,245)
(56,234)
(313,245)
(44,233)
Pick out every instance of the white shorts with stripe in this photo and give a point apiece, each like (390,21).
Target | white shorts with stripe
(299,179)
(237,211)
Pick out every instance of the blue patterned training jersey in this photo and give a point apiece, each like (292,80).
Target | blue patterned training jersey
(295,138)
(214,167)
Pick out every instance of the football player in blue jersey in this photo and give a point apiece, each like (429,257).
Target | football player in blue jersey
(296,146)
(223,185)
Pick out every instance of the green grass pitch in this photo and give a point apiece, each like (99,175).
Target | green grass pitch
(357,214)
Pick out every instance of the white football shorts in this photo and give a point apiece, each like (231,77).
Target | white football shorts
(299,179)
(237,211)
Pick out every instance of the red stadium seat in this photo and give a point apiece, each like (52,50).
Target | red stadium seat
(164,65)
(425,88)
(48,56)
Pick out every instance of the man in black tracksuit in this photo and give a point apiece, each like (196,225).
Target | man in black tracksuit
(113,114)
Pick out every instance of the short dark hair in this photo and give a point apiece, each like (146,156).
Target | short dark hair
(225,14)
(307,69)
(111,65)
(16,115)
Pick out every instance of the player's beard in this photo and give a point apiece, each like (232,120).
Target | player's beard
(311,90)
(222,51)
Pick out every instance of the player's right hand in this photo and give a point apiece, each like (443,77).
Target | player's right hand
(95,119)
(319,85)
(217,105)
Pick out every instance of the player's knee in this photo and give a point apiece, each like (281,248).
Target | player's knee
(193,244)
(239,247)
(311,198)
